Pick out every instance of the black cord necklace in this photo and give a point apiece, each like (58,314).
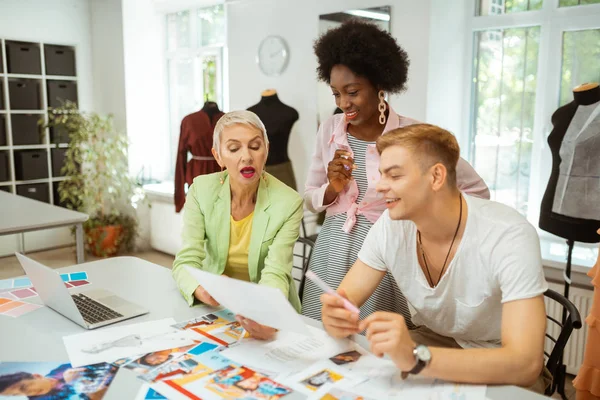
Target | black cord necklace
(449,250)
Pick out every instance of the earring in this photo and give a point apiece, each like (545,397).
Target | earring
(221,178)
(381,107)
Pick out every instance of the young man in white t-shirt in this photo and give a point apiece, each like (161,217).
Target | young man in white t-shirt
(470,269)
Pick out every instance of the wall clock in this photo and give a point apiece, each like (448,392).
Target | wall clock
(273,55)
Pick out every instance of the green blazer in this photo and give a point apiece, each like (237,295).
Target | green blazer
(206,225)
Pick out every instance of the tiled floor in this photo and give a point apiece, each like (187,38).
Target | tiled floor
(10,267)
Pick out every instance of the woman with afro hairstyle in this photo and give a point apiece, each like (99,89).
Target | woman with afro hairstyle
(361,64)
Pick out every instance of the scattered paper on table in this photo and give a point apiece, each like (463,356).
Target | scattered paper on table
(263,304)
(14,308)
(108,345)
(216,377)
(321,377)
(289,352)
(62,380)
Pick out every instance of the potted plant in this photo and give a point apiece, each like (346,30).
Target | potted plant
(97,179)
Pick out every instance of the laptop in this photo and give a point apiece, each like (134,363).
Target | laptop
(90,309)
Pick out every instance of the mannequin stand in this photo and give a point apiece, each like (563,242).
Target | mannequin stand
(567,278)
(567,274)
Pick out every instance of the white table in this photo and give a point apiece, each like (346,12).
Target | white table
(37,336)
(20,214)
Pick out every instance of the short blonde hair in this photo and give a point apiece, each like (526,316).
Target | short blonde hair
(242,117)
(430,144)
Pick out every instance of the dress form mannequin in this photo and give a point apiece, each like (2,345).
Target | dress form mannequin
(279,119)
(196,137)
(571,204)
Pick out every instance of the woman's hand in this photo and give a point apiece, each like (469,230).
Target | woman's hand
(256,330)
(204,297)
(339,174)
(339,170)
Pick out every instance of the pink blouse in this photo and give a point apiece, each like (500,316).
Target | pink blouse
(331,134)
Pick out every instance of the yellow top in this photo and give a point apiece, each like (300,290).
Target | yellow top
(239,243)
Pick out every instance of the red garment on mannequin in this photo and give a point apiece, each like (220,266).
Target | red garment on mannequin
(196,137)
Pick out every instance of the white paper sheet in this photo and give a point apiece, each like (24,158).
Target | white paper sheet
(265,305)
(319,378)
(289,352)
(384,381)
(108,345)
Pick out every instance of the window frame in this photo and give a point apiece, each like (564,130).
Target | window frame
(553,21)
(195,52)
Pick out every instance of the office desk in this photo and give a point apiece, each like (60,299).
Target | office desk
(20,214)
(37,336)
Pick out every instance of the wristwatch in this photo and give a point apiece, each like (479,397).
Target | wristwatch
(422,356)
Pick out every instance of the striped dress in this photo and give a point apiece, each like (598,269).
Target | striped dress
(336,251)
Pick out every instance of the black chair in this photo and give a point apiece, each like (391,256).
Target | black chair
(555,359)
(313,238)
(302,254)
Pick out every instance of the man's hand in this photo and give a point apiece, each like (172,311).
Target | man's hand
(204,297)
(256,330)
(338,321)
(387,333)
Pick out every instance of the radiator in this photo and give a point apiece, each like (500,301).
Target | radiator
(582,298)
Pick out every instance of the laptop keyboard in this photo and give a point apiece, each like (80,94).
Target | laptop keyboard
(92,311)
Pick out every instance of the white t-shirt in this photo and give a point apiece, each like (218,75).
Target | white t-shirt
(498,260)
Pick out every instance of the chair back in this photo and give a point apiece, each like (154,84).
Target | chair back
(302,253)
(555,357)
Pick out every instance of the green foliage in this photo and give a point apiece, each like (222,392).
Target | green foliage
(98,181)
(580,59)
(505,92)
(570,3)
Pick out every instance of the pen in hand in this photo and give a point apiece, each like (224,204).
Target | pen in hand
(347,304)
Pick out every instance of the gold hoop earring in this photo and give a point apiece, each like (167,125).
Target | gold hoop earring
(382,107)
(222,177)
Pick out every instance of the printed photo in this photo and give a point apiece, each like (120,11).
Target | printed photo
(187,365)
(221,334)
(147,362)
(50,381)
(242,382)
(216,318)
(340,394)
(316,381)
(345,358)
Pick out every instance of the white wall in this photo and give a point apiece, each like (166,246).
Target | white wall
(107,59)
(297,22)
(448,90)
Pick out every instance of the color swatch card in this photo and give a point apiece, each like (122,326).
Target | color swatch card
(21,288)
(74,276)
(15,308)
(8,284)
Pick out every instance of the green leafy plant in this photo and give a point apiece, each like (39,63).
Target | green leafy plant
(97,180)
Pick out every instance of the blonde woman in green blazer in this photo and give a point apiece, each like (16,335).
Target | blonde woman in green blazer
(241,222)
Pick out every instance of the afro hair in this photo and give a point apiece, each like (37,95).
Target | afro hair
(367,51)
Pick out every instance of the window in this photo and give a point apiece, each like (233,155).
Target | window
(195,42)
(505,91)
(569,3)
(528,55)
(580,60)
(495,7)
